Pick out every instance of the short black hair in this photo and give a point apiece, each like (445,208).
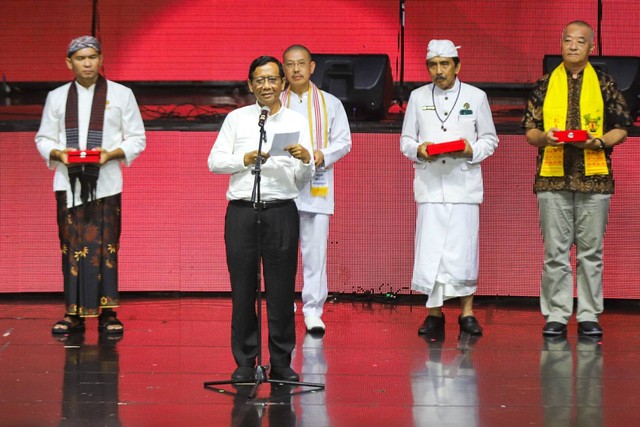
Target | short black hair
(264,60)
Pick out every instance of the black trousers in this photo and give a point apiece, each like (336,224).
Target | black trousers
(279,256)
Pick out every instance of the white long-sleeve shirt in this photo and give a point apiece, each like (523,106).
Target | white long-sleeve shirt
(448,179)
(123,128)
(339,146)
(282,176)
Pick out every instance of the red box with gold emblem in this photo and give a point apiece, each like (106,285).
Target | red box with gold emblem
(83,156)
(445,147)
(571,135)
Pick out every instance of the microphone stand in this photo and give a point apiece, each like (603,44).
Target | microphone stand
(259,375)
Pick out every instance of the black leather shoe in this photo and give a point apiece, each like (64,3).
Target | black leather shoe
(243,373)
(552,329)
(283,373)
(470,325)
(432,327)
(589,329)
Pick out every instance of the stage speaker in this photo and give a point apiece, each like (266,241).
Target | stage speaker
(362,82)
(625,70)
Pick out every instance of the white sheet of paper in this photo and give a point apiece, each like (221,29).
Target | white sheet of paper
(281,140)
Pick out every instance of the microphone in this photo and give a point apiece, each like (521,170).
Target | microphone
(264,113)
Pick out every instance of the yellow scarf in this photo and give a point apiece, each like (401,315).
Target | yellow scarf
(554,112)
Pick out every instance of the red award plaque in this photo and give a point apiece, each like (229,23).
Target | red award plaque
(83,156)
(445,147)
(571,135)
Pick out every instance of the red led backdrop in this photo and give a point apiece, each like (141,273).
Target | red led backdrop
(173,213)
(502,40)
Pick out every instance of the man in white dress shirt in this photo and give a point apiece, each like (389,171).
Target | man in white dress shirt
(283,171)
(447,187)
(331,138)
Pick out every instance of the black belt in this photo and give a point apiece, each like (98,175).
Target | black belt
(263,204)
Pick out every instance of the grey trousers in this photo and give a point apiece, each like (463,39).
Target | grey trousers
(568,218)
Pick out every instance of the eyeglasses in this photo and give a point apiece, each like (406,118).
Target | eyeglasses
(260,81)
(291,64)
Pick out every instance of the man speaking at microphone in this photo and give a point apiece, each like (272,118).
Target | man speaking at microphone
(286,165)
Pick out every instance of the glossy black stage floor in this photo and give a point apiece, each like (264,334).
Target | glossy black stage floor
(377,370)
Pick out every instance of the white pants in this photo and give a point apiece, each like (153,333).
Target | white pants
(314,233)
(446,251)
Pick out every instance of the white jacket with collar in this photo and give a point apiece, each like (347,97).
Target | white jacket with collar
(123,128)
(448,179)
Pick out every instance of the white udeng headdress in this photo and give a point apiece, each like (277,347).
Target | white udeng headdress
(443,48)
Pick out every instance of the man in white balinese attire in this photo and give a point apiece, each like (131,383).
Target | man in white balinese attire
(331,139)
(447,187)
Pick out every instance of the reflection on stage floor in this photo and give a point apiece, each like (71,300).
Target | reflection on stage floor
(376,369)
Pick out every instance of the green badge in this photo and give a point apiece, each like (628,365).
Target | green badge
(466,111)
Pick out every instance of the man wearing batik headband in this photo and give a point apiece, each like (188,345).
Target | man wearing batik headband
(89,114)
(447,187)
(331,139)
(574,181)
